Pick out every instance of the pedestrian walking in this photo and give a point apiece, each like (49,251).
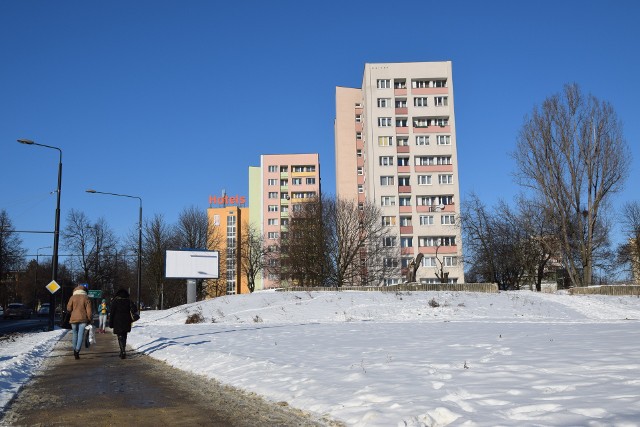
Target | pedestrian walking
(79,307)
(102,316)
(121,317)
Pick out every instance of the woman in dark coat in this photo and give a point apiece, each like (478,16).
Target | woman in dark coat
(120,320)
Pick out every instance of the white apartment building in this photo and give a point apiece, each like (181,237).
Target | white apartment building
(395,143)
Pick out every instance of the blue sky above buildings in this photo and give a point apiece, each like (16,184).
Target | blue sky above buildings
(172,101)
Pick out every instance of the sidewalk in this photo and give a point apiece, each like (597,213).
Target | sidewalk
(100,389)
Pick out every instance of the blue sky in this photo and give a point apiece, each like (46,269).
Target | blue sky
(173,100)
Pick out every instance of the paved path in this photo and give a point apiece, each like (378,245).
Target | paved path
(100,389)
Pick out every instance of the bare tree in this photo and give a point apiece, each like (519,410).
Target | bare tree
(77,238)
(572,153)
(629,251)
(12,256)
(157,238)
(255,255)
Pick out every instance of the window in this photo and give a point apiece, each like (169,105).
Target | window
(426,200)
(401,122)
(272,235)
(384,102)
(296,181)
(450,261)
(285,209)
(403,181)
(401,103)
(310,181)
(422,140)
(387,201)
(440,101)
(360,170)
(443,160)
(272,182)
(446,200)
(421,122)
(426,219)
(388,241)
(391,262)
(419,83)
(400,83)
(285,223)
(303,168)
(272,208)
(272,221)
(403,161)
(386,160)
(388,221)
(444,139)
(358,135)
(284,196)
(284,183)
(448,241)
(425,160)
(273,194)
(405,221)
(440,83)
(384,121)
(403,141)
(358,118)
(419,102)
(384,83)
(437,241)
(406,242)
(448,220)
(424,179)
(358,153)
(360,188)
(429,261)
(386,180)
(385,141)
(273,168)
(284,169)
(405,200)
(445,179)
(441,121)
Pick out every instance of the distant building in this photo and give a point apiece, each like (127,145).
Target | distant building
(395,145)
(276,187)
(226,225)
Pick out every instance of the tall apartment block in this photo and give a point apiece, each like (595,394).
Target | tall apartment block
(276,188)
(227,223)
(395,145)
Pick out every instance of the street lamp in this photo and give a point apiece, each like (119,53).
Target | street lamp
(56,232)
(139,235)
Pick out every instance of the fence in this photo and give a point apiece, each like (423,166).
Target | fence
(405,287)
(607,290)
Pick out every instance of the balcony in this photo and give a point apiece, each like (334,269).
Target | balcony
(403,149)
(429,91)
(433,168)
(404,189)
(400,91)
(404,168)
(431,129)
(406,251)
(441,250)
(402,130)
(402,110)
(408,229)
(404,209)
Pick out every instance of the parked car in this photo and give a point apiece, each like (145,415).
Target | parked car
(44,310)
(1,311)
(15,309)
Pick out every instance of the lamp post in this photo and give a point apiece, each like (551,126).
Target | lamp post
(56,232)
(38,265)
(139,235)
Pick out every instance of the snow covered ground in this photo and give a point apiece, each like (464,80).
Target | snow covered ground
(401,359)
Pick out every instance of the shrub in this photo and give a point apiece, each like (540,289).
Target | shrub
(434,303)
(194,318)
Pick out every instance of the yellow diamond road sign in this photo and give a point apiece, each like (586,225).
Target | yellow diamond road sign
(53,287)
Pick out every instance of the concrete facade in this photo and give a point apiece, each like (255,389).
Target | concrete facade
(396,147)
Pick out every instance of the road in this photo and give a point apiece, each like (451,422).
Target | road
(35,324)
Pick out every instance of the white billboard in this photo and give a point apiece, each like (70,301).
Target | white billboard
(195,264)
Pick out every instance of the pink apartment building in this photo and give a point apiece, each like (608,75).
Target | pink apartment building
(395,145)
(276,187)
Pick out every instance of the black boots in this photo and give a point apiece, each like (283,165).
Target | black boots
(123,346)
(76,354)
